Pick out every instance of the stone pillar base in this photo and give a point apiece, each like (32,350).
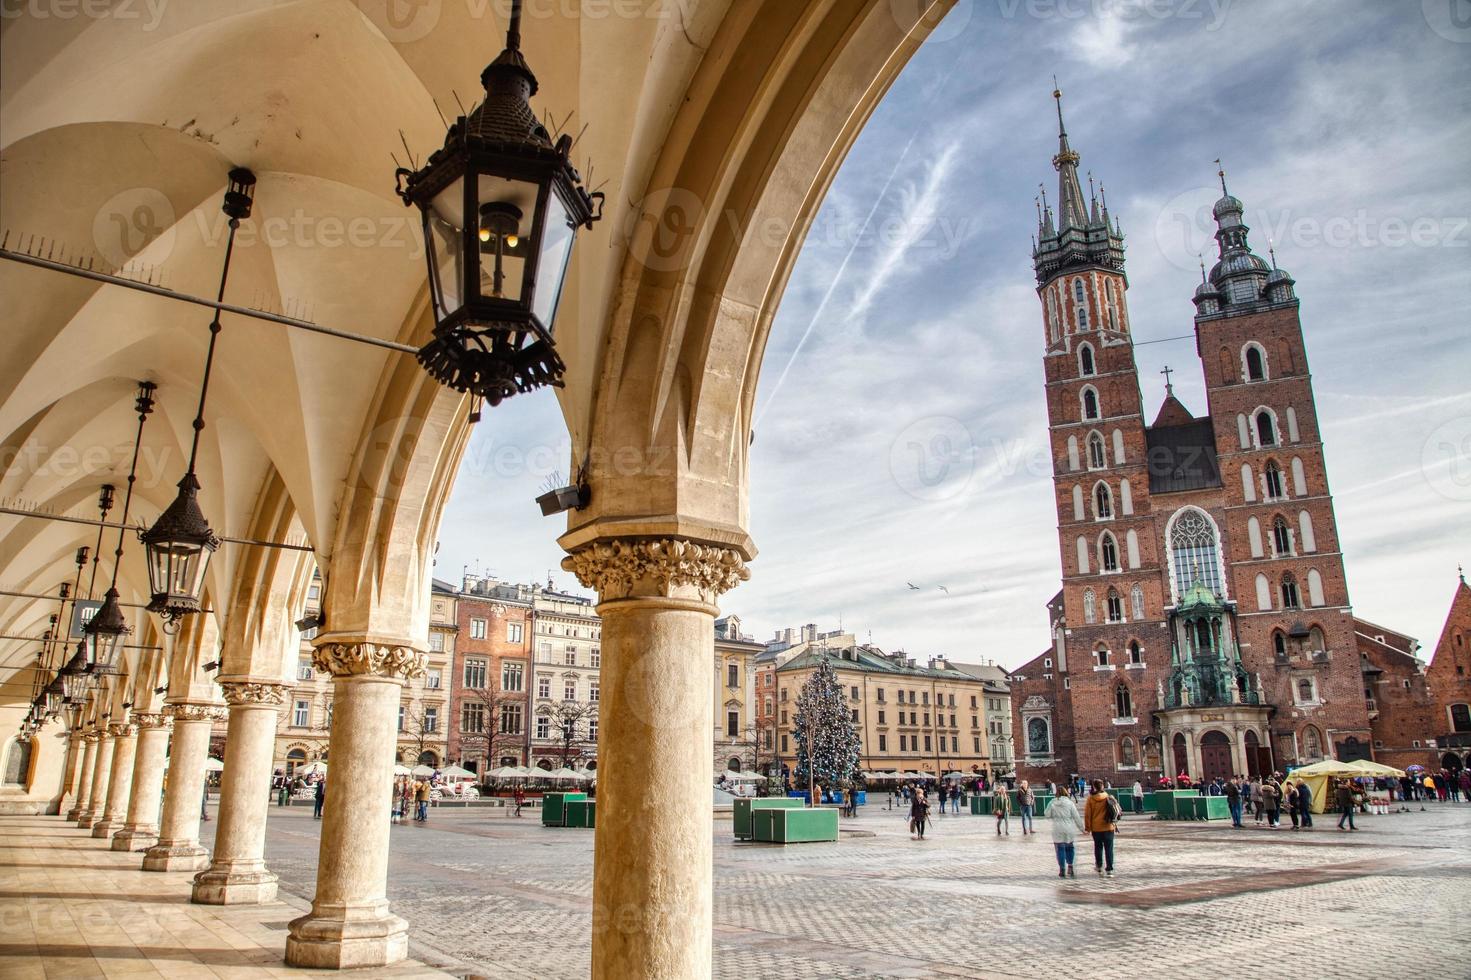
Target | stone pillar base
(134,839)
(86,820)
(237,886)
(184,856)
(106,828)
(340,938)
(74,814)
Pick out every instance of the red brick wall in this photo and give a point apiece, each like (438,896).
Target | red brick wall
(495,648)
(1449,673)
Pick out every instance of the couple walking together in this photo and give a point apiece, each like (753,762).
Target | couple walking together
(1100,818)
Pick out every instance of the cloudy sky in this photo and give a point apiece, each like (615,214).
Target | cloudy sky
(901,429)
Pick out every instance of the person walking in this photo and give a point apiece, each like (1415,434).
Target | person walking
(1101,815)
(1233,800)
(1256,799)
(1305,804)
(1067,823)
(1290,801)
(319,796)
(1138,795)
(919,812)
(1001,810)
(1345,799)
(278,783)
(421,798)
(1024,802)
(1272,802)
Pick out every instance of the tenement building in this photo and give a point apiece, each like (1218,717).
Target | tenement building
(1204,623)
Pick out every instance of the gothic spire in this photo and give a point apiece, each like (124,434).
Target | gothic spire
(1072,209)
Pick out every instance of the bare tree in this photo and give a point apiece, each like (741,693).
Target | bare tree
(501,724)
(570,726)
(419,730)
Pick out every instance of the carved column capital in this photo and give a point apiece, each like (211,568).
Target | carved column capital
(251,693)
(365,657)
(153,720)
(93,737)
(124,730)
(624,567)
(196,712)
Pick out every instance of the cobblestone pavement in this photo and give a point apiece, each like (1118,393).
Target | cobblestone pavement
(509,898)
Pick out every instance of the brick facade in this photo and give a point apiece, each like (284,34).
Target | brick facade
(492,676)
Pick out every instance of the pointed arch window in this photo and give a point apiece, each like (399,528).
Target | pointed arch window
(1266,428)
(1115,607)
(1279,643)
(1123,703)
(1256,363)
(1100,656)
(1128,753)
(1136,652)
(1102,502)
(1136,600)
(1108,553)
(1195,552)
(1272,480)
(1312,742)
(1090,611)
(1053,328)
(1290,597)
(1086,367)
(1090,403)
(1281,537)
(1080,305)
(1097,455)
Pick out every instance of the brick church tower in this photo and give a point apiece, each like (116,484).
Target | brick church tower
(1203,623)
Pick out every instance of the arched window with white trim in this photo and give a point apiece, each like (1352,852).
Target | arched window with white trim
(1290,597)
(1080,305)
(1263,593)
(1102,502)
(1090,610)
(1123,704)
(1292,433)
(1115,606)
(1253,362)
(1299,477)
(1097,457)
(1054,328)
(1108,553)
(1266,427)
(1315,588)
(1090,403)
(1281,537)
(1272,481)
(1086,367)
(1305,531)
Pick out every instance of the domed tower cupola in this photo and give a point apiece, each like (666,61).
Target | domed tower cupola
(1240,276)
(1279,283)
(1207,296)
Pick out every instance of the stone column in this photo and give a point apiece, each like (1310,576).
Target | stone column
(140,831)
(349,924)
(69,790)
(84,783)
(237,873)
(178,834)
(652,851)
(101,772)
(120,785)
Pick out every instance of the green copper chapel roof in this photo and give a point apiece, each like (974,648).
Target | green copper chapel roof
(1199,596)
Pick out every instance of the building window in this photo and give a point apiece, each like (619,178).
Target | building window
(927,742)
(304,669)
(880,695)
(732,675)
(436,641)
(1085,361)
(301,714)
(570,657)
(472,718)
(1273,480)
(543,686)
(1266,431)
(881,716)
(1312,743)
(1307,690)
(1108,553)
(1281,537)
(1102,502)
(1290,599)
(569,690)
(1128,754)
(511,719)
(1123,704)
(1194,552)
(1115,607)
(1256,368)
(400,717)
(513,676)
(1100,657)
(1090,611)
(1090,403)
(597,657)
(592,729)
(434,679)
(475,672)
(431,719)
(883,742)
(1460,718)
(1136,654)
(543,726)
(1080,305)
(784,743)
(1136,599)
(515,632)
(477,629)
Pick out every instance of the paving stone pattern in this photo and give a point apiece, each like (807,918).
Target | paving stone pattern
(494,896)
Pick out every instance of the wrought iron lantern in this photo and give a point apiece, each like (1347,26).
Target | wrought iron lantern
(52,697)
(74,676)
(105,634)
(501,206)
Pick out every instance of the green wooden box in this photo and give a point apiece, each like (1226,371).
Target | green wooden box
(554,807)
(580,813)
(743,807)
(1203,808)
(795,826)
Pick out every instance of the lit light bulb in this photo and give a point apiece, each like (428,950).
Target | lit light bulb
(485,234)
(512,240)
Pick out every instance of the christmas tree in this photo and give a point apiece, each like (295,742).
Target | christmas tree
(827,745)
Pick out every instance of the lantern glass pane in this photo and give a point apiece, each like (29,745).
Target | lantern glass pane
(556,251)
(446,268)
(507,215)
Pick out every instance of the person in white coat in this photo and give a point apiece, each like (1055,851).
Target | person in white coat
(1067,824)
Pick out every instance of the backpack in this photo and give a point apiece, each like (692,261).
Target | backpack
(1114,810)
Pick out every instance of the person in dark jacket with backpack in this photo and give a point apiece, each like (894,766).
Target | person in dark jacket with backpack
(1101,815)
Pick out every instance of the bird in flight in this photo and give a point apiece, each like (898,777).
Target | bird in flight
(912,586)
(944,590)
